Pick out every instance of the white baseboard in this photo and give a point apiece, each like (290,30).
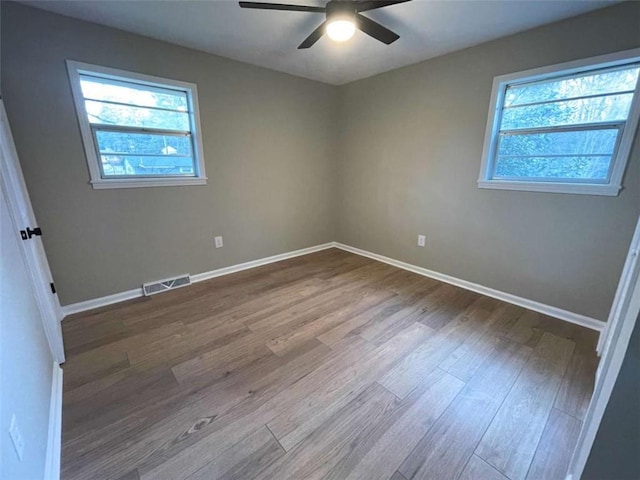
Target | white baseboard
(54,440)
(257,263)
(565,315)
(101,302)
(199,277)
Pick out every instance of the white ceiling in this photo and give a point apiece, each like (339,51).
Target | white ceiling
(427,28)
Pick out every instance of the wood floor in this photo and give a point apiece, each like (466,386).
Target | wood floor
(328,366)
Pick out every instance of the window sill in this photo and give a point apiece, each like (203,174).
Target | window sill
(547,187)
(155,182)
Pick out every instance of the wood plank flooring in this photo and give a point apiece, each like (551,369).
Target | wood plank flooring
(326,366)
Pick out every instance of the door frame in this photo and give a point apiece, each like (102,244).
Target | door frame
(612,345)
(22,216)
(622,296)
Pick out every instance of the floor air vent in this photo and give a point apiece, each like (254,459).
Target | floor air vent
(167,284)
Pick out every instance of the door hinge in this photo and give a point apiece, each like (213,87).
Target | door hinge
(36,231)
(30,232)
(53,288)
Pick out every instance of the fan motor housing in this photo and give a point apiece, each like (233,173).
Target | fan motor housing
(341,10)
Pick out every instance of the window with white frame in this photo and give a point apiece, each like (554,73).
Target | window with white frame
(564,129)
(137,130)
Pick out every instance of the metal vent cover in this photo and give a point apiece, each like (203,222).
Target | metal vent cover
(159,286)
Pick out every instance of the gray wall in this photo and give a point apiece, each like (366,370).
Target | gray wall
(26,363)
(294,163)
(410,156)
(614,454)
(268,146)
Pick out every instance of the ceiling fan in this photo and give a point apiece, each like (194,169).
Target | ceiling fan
(342,19)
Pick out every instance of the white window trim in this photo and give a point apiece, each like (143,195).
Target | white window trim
(493,124)
(97,182)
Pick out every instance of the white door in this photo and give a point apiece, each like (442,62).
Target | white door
(26,228)
(28,385)
(612,346)
(621,300)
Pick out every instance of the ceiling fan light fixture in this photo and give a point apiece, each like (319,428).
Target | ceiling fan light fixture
(340,30)
(341,20)
(343,17)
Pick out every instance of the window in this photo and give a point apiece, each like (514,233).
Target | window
(137,130)
(564,129)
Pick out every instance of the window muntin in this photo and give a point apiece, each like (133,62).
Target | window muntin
(563,128)
(137,130)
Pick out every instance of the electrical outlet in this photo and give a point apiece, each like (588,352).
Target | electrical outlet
(219,243)
(16,436)
(421,240)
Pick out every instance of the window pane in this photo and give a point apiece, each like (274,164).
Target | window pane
(108,114)
(564,129)
(141,95)
(569,112)
(124,165)
(553,168)
(583,142)
(579,86)
(143,144)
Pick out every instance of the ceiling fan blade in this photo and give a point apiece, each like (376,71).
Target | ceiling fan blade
(375,30)
(367,5)
(281,6)
(313,38)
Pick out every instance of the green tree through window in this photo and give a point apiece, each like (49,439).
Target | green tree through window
(139,130)
(564,128)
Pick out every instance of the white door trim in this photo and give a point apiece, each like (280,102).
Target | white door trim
(21,212)
(622,297)
(54,447)
(615,341)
